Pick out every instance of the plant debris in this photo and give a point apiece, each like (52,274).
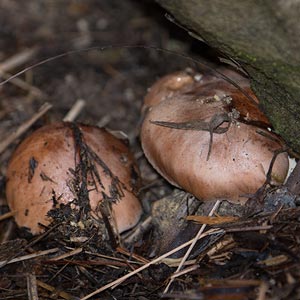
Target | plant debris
(242,252)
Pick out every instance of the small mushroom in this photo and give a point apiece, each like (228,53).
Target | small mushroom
(67,163)
(210,138)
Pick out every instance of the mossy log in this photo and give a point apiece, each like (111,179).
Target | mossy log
(263,36)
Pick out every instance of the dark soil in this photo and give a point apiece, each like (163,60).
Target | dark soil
(113,82)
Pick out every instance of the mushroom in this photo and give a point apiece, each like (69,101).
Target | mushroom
(210,138)
(68,163)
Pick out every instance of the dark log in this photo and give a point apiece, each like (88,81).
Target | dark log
(263,36)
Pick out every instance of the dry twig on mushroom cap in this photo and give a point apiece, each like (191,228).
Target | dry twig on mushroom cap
(72,164)
(209,138)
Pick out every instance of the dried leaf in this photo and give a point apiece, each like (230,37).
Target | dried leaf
(212,220)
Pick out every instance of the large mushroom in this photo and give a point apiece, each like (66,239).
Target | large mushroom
(208,137)
(67,163)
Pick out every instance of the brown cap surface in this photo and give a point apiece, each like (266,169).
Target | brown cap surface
(240,157)
(42,173)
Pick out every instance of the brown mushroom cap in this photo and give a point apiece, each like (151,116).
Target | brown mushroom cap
(240,157)
(166,87)
(41,172)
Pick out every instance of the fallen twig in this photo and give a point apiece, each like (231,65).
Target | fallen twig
(17,60)
(24,127)
(117,282)
(7,215)
(29,256)
(194,241)
(32,287)
(50,288)
(68,254)
(23,85)
(74,111)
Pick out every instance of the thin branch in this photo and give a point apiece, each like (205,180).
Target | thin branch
(250,228)
(117,282)
(29,256)
(32,290)
(17,60)
(74,111)
(20,83)
(52,289)
(7,215)
(68,254)
(24,127)
(194,241)
(185,271)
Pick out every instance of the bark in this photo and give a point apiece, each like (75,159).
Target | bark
(263,36)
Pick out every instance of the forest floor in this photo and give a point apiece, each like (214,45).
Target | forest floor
(112,80)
